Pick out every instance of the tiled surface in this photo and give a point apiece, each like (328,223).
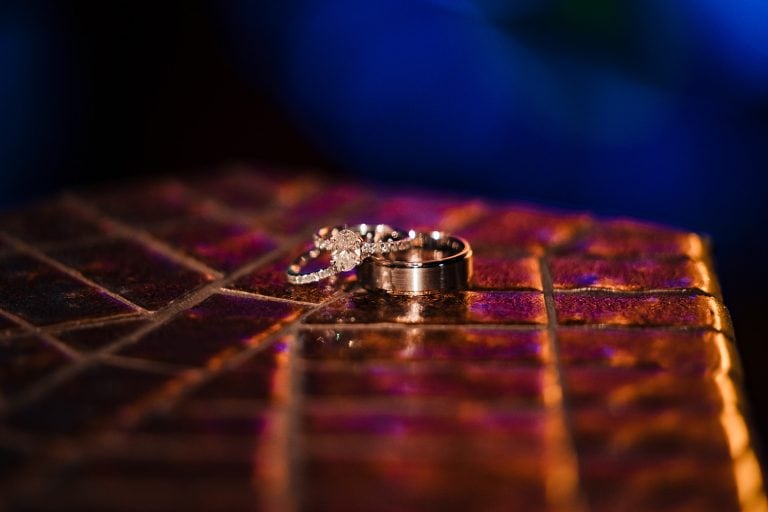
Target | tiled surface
(130,270)
(41,294)
(153,358)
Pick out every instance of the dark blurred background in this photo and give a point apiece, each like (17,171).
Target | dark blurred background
(646,108)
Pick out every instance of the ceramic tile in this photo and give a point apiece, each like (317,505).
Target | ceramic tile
(515,229)
(414,344)
(93,338)
(218,328)
(517,385)
(141,204)
(496,273)
(639,310)
(629,274)
(26,360)
(455,308)
(631,238)
(650,349)
(86,402)
(48,223)
(137,273)
(223,246)
(42,295)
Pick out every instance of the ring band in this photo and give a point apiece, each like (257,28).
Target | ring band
(349,247)
(294,275)
(435,262)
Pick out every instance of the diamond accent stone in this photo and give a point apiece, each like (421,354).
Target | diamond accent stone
(346,250)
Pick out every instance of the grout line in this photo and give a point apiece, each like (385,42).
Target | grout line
(76,325)
(565,485)
(433,327)
(147,240)
(509,327)
(252,295)
(290,493)
(159,318)
(45,469)
(294,488)
(650,291)
(97,322)
(680,328)
(52,341)
(205,373)
(71,272)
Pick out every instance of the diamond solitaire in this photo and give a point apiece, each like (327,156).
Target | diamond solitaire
(346,250)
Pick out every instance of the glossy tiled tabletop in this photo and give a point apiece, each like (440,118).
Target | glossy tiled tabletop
(153,358)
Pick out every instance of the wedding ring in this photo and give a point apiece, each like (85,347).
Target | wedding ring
(435,262)
(349,246)
(294,273)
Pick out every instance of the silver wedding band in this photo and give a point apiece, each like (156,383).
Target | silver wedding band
(434,262)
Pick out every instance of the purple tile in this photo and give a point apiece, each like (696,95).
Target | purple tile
(209,419)
(416,344)
(148,202)
(664,483)
(386,474)
(519,228)
(629,274)
(639,310)
(140,275)
(311,213)
(644,434)
(651,349)
(50,223)
(92,338)
(640,389)
(509,385)
(523,429)
(85,402)
(26,360)
(261,378)
(630,238)
(42,295)
(216,329)
(458,308)
(420,212)
(248,192)
(224,246)
(498,273)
